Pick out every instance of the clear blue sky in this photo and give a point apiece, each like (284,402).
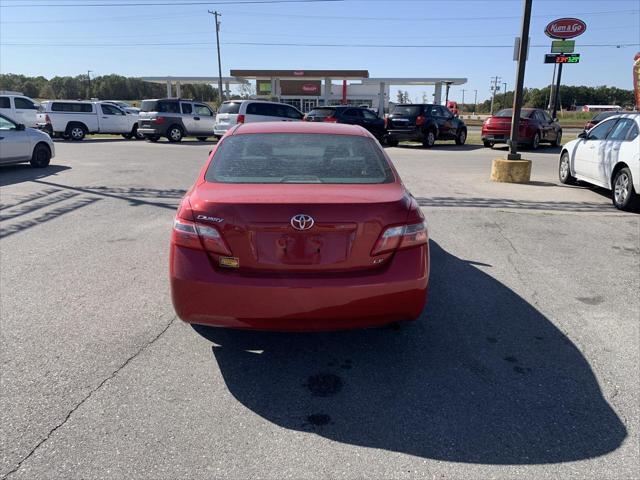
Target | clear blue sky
(52,40)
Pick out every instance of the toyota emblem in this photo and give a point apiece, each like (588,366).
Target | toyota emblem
(302,222)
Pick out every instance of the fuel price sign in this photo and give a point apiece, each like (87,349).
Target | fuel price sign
(562,58)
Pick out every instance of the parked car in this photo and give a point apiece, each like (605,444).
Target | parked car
(248,111)
(72,119)
(310,221)
(20,144)
(175,119)
(351,115)
(608,155)
(424,123)
(536,126)
(124,106)
(22,110)
(600,117)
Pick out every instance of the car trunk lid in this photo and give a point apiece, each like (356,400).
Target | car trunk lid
(258,223)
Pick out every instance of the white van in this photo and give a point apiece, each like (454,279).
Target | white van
(19,108)
(233,112)
(75,119)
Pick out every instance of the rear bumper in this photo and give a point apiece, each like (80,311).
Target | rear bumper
(151,131)
(204,295)
(406,134)
(221,129)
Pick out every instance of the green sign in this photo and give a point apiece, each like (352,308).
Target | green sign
(563,46)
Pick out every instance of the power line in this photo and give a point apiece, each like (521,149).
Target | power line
(341,45)
(167,4)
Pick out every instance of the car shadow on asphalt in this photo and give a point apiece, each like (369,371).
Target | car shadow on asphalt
(23,172)
(508,203)
(483,377)
(440,147)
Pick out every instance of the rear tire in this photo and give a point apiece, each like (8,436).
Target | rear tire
(76,132)
(461,137)
(41,156)
(564,170)
(202,139)
(623,194)
(392,142)
(175,134)
(429,139)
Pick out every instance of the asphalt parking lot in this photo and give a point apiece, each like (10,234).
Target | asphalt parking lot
(525,362)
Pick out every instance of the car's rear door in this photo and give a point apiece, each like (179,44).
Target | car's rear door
(204,119)
(188,118)
(614,149)
(373,123)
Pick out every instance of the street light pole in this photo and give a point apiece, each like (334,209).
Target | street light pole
(505,93)
(517,97)
(216,15)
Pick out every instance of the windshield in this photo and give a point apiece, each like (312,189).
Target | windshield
(298,158)
(229,107)
(409,110)
(508,113)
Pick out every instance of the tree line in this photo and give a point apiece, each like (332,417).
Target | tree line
(114,87)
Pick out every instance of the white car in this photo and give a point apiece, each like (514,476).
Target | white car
(20,109)
(608,155)
(233,112)
(20,144)
(75,119)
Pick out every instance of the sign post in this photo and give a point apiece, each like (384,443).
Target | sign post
(562,29)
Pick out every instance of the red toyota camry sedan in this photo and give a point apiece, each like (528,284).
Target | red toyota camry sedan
(298,226)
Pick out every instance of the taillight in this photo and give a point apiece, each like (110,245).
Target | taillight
(47,120)
(386,122)
(197,236)
(419,120)
(330,119)
(240,119)
(402,236)
(159,120)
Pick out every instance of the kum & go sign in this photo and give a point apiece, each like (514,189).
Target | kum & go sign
(564,28)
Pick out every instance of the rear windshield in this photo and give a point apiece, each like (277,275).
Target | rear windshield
(322,112)
(161,106)
(298,158)
(602,115)
(508,113)
(230,107)
(409,110)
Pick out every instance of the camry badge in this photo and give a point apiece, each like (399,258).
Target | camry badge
(210,219)
(302,222)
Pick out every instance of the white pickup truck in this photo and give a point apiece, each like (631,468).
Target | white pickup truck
(75,119)
(19,108)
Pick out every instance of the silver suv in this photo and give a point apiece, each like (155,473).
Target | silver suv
(174,119)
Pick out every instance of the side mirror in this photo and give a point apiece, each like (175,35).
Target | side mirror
(583,135)
(20,127)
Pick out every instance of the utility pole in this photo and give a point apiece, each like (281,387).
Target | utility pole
(505,94)
(216,15)
(89,84)
(517,97)
(475,101)
(494,87)
(462,105)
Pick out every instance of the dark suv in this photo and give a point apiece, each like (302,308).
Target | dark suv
(424,123)
(351,115)
(175,118)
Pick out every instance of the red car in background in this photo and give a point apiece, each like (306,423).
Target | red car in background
(536,126)
(600,117)
(298,226)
